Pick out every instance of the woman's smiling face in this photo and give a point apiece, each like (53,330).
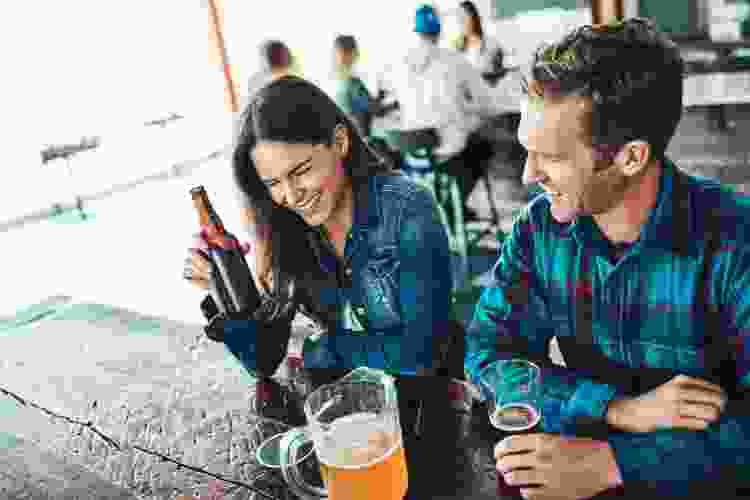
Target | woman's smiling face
(306,178)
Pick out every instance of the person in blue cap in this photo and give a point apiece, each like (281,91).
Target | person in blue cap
(438,88)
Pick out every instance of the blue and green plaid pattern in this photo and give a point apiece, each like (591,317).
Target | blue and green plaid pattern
(644,314)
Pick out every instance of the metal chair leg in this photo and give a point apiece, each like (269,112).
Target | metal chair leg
(459,228)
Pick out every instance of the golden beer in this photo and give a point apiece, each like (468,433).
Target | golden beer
(373,469)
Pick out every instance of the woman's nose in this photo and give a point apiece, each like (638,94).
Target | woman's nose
(293,194)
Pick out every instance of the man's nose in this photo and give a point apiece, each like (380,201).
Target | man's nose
(531,174)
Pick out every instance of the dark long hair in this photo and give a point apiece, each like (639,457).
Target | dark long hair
(476,20)
(293,110)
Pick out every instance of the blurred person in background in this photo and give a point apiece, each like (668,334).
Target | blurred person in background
(353,97)
(339,237)
(481,50)
(275,61)
(351,93)
(437,88)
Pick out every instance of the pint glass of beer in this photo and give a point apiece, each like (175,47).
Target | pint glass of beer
(512,388)
(355,430)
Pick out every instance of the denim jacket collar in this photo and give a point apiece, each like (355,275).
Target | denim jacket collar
(366,213)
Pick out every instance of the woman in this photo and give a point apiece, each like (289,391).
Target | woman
(480,49)
(340,238)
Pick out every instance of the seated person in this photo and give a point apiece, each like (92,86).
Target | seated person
(480,49)
(437,88)
(351,93)
(340,238)
(625,259)
(275,61)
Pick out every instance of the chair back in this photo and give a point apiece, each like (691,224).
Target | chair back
(418,143)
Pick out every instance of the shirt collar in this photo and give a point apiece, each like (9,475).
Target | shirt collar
(366,207)
(669,225)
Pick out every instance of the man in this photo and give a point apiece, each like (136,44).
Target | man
(276,61)
(651,264)
(351,93)
(437,88)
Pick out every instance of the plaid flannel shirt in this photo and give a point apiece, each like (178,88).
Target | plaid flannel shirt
(644,314)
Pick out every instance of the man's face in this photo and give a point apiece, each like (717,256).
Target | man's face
(343,58)
(467,22)
(562,162)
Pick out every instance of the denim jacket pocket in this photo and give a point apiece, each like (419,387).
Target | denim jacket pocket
(380,283)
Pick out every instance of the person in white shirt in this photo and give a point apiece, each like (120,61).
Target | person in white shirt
(437,88)
(480,49)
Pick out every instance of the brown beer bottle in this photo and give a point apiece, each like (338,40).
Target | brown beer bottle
(232,285)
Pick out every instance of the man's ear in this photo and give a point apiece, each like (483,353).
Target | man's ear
(633,157)
(341,140)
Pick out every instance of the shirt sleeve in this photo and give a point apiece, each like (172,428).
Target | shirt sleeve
(509,321)
(259,347)
(359,97)
(425,284)
(673,460)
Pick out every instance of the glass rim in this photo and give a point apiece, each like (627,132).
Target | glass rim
(279,440)
(535,366)
(331,401)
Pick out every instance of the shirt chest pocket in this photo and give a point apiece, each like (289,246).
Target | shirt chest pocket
(380,281)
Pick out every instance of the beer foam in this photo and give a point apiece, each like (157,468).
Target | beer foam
(358,440)
(515,417)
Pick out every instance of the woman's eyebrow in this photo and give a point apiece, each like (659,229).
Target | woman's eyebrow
(293,170)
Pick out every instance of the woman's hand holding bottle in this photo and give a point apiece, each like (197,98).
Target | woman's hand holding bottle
(198,265)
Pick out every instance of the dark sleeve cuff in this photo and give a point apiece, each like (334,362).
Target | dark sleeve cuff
(208,308)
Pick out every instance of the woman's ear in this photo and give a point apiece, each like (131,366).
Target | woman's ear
(341,140)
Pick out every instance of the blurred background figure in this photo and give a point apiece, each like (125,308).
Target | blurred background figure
(481,50)
(437,88)
(275,61)
(351,93)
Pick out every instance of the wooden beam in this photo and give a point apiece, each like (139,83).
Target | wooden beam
(605,11)
(218,52)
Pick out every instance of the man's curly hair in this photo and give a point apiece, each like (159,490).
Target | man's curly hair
(631,72)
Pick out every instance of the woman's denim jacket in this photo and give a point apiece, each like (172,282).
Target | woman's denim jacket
(396,278)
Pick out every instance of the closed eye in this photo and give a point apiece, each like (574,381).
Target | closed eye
(302,172)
